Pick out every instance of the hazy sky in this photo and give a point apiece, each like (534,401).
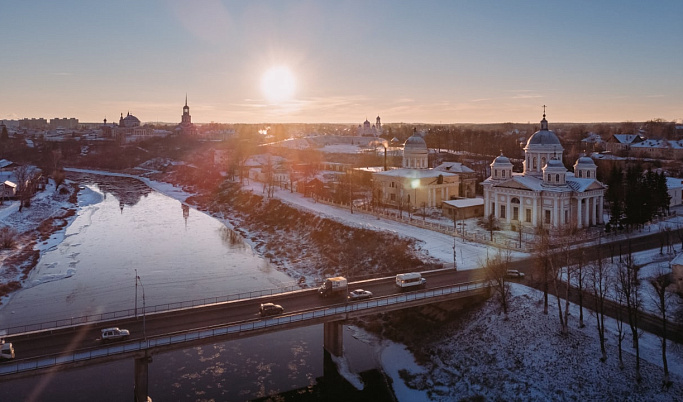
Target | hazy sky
(406,61)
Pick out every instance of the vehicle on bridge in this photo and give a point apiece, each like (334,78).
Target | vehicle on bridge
(410,280)
(114,334)
(513,273)
(360,294)
(267,309)
(6,350)
(336,286)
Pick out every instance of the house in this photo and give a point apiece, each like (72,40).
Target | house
(677,273)
(674,187)
(463,208)
(620,143)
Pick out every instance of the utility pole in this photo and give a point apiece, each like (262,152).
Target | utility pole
(136,293)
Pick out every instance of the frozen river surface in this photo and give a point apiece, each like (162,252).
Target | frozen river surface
(179,253)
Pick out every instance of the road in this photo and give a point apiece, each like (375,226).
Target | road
(86,337)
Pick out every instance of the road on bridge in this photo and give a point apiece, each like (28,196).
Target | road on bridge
(86,337)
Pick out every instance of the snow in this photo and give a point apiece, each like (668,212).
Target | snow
(525,358)
(522,358)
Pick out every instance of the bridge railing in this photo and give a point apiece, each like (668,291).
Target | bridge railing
(236,328)
(131,312)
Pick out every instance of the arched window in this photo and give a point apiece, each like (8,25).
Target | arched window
(588,174)
(495,172)
(548,176)
(503,173)
(580,174)
(557,178)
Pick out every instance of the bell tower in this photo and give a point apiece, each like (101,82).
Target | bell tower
(186,118)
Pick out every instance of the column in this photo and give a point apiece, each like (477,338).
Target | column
(507,210)
(601,202)
(579,215)
(141,390)
(533,211)
(556,213)
(486,204)
(333,338)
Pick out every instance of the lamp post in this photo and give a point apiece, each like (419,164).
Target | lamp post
(137,279)
(455,256)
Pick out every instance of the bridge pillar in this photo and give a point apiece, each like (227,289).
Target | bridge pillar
(333,337)
(141,390)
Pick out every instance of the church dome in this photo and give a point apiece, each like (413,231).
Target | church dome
(131,121)
(415,141)
(501,160)
(585,161)
(555,163)
(543,136)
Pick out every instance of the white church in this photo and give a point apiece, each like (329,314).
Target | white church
(545,193)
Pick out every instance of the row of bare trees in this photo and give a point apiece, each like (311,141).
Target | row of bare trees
(607,285)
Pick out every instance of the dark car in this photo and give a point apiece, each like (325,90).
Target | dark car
(267,309)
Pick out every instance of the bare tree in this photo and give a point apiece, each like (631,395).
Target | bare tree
(542,262)
(560,264)
(495,270)
(620,320)
(629,285)
(26,182)
(662,299)
(600,281)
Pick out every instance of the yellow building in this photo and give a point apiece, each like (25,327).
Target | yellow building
(416,185)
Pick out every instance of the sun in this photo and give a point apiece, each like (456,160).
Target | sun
(278,84)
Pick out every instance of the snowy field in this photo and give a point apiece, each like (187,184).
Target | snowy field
(524,358)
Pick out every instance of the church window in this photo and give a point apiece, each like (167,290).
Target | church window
(557,178)
(534,159)
(566,216)
(495,172)
(588,174)
(502,212)
(543,161)
(528,215)
(580,174)
(515,213)
(393,197)
(547,217)
(548,176)
(503,174)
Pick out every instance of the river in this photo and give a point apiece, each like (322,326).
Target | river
(124,228)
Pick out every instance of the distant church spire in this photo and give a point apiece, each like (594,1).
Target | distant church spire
(186,100)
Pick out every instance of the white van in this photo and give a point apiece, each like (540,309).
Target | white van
(410,280)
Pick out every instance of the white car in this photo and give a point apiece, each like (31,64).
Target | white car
(513,273)
(114,334)
(360,294)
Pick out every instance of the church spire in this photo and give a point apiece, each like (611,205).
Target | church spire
(544,122)
(185,99)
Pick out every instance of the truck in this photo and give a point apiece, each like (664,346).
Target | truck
(336,286)
(410,280)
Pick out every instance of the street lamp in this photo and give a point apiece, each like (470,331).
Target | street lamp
(137,279)
(455,256)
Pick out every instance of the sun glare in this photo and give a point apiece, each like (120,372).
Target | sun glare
(278,84)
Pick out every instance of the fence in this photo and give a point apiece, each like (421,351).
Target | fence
(128,313)
(237,328)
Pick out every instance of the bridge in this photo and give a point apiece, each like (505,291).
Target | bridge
(76,345)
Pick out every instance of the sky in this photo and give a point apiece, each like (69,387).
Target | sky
(344,61)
